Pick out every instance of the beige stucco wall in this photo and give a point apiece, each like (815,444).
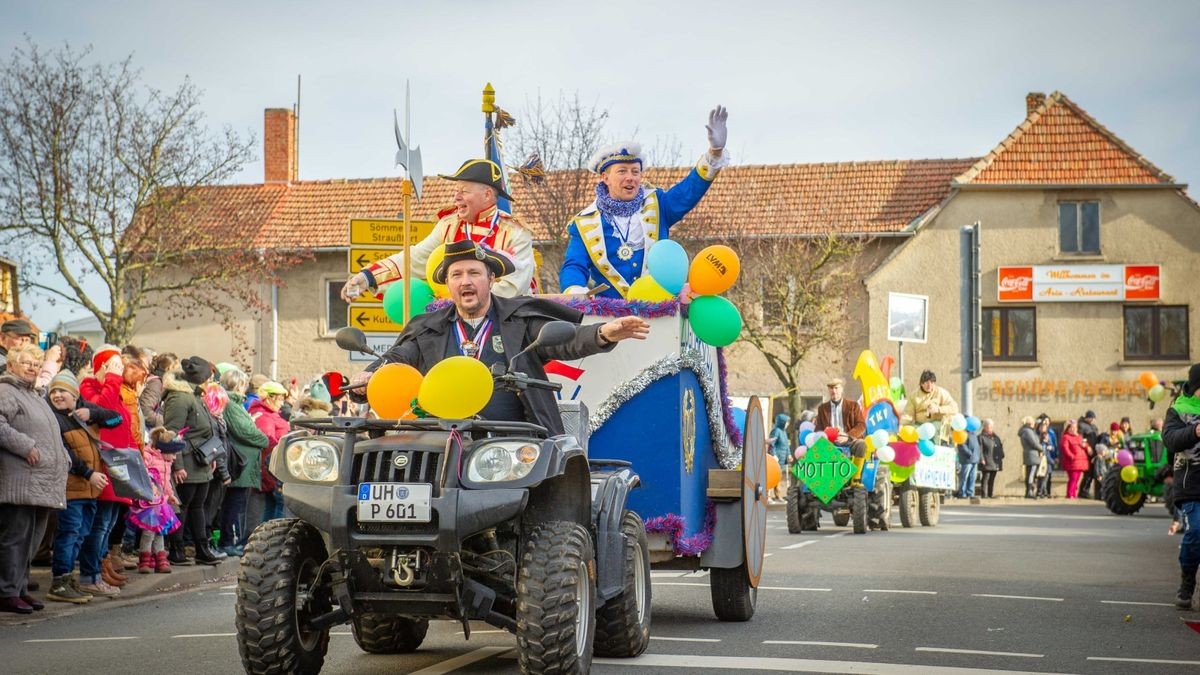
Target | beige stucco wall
(1075,341)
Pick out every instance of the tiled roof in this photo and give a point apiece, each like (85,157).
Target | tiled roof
(1059,143)
(850,197)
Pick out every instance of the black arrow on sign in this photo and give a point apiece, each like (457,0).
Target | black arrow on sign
(362,262)
(361,319)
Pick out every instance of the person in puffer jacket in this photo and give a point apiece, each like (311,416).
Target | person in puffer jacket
(1181,435)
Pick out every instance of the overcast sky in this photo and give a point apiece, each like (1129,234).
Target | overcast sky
(804,82)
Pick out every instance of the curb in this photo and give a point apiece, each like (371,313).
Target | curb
(141,588)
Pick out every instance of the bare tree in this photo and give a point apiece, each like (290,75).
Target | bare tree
(563,133)
(793,293)
(99,177)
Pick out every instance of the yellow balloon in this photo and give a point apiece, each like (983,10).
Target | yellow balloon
(908,434)
(435,259)
(455,388)
(646,289)
(1129,473)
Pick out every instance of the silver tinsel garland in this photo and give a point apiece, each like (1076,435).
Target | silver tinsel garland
(729,455)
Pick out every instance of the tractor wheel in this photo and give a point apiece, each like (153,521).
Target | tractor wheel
(278,593)
(929,507)
(383,634)
(908,506)
(879,506)
(841,518)
(1118,498)
(794,519)
(623,622)
(810,511)
(858,509)
(556,599)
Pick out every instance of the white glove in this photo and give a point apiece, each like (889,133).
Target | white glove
(717,133)
(355,286)
(575,290)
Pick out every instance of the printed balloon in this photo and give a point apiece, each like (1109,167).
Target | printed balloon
(714,270)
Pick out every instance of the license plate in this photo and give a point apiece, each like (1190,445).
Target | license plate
(394,502)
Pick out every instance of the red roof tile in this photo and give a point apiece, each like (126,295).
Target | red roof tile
(851,197)
(1060,144)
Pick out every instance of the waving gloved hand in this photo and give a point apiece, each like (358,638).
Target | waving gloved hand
(355,286)
(717,133)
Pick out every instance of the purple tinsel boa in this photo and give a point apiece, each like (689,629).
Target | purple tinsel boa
(616,207)
(735,434)
(673,526)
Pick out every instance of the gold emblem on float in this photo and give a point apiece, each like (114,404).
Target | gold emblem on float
(688,431)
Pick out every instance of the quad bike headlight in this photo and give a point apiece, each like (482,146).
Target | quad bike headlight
(503,461)
(313,459)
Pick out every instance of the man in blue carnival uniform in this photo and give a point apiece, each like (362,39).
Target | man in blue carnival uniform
(609,239)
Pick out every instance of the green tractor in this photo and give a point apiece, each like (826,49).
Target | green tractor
(1150,460)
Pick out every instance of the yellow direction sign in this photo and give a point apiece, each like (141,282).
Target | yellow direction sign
(383,232)
(361,257)
(371,319)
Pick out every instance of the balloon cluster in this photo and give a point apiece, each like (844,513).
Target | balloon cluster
(899,446)
(455,388)
(1156,390)
(714,319)
(962,427)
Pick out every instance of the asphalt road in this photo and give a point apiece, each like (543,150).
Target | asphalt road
(994,588)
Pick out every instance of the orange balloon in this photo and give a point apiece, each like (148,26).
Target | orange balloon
(959,436)
(1148,379)
(714,270)
(391,390)
(774,473)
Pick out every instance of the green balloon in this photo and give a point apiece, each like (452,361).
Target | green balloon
(899,474)
(393,299)
(715,320)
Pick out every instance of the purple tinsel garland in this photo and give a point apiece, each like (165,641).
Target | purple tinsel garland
(673,525)
(735,434)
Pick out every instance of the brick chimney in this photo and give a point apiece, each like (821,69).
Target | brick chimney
(280,156)
(1033,100)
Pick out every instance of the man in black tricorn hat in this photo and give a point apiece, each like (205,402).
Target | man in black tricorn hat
(486,326)
(475,218)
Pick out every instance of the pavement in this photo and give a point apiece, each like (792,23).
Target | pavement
(997,587)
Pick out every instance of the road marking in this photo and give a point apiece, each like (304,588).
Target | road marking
(743,664)
(1014,597)
(226,593)
(768,555)
(679,583)
(95,639)
(203,635)
(839,534)
(892,590)
(798,544)
(947,650)
(855,645)
(666,574)
(1034,516)
(482,632)
(790,588)
(229,588)
(1129,602)
(341,633)
(682,639)
(450,665)
(1168,661)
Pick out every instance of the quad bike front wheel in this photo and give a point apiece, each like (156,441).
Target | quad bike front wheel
(623,622)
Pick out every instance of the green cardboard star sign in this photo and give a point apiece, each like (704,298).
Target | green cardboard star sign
(825,470)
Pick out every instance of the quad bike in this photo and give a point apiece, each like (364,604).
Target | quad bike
(402,521)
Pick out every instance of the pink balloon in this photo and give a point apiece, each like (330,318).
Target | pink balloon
(1124,458)
(801,452)
(685,294)
(907,454)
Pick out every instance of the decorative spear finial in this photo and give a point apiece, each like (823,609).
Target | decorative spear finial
(489,99)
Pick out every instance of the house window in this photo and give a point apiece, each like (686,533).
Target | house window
(1079,227)
(1009,334)
(335,306)
(1156,332)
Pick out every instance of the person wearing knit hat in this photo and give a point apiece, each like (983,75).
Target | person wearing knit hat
(65,381)
(196,370)
(224,367)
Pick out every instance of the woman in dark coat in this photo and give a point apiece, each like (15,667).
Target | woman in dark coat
(1031,455)
(183,408)
(991,459)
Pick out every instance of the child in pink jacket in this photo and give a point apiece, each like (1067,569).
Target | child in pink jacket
(157,518)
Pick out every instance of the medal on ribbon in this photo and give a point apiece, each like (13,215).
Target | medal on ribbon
(468,346)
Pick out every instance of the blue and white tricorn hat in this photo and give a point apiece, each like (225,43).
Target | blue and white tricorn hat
(615,154)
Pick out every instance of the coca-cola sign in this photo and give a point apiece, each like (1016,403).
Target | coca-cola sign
(1079,283)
